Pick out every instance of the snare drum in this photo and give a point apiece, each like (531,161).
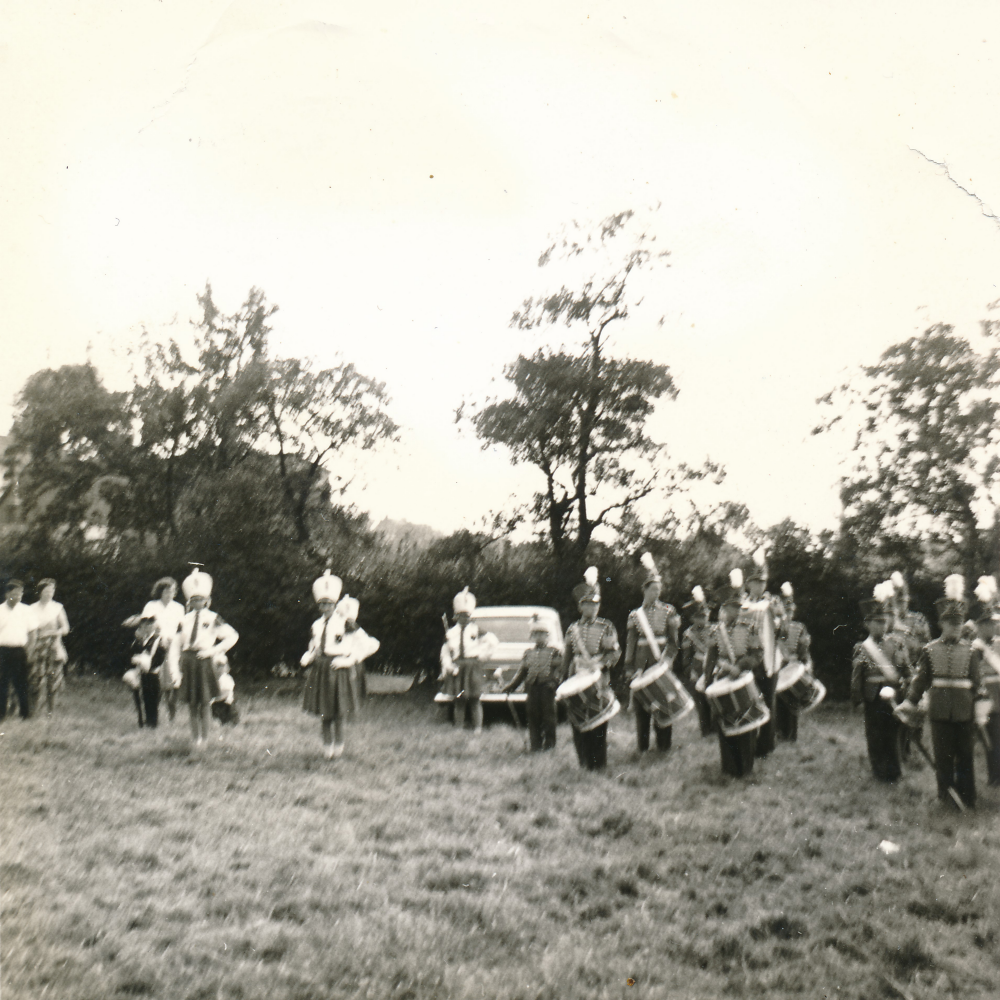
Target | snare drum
(588,704)
(738,704)
(662,695)
(798,689)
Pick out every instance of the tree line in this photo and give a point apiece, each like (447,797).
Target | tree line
(224,453)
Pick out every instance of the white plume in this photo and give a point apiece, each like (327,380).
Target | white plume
(736,577)
(954,587)
(986,589)
(760,556)
(647,560)
(884,591)
(786,590)
(590,577)
(897,581)
(698,594)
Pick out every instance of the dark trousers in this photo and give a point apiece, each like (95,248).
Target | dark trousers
(147,700)
(883,738)
(737,752)
(704,712)
(786,722)
(592,747)
(664,736)
(953,761)
(14,672)
(541,712)
(993,751)
(765,735)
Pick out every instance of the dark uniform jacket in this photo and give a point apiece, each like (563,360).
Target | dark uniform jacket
(745,645)
(868,678)
(590,644)
(794,641)
(950,669)
(664,623)
(694,649)
(538,666)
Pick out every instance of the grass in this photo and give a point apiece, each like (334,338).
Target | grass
(427,864)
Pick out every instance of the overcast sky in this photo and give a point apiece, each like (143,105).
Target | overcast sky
(827,177)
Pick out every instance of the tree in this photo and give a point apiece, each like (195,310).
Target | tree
(926,448)
(579,415)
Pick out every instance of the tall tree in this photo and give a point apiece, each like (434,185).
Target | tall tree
(927,462)
(579,415)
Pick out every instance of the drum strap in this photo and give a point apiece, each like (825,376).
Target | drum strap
(880,660)
(640,615)
(725,642)
(989,655)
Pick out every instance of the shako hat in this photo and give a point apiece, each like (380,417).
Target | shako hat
(537,625)
(985,608)
(197,584)
(953,606)
(327,587)
(464,602)
(758,571)
(734,593)
(877,606)
(698,604)
(589,590)
(652,574)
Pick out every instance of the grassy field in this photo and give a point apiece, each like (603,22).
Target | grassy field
(427,863)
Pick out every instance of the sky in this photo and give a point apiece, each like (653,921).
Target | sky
(824,176)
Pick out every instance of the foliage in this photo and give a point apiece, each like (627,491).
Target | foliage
(927,465)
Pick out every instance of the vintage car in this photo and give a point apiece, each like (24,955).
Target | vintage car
(512,627)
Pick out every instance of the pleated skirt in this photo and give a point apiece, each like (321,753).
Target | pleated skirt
(330,692)
(199,685)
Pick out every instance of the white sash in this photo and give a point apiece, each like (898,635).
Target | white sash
(881,660)
(647,631)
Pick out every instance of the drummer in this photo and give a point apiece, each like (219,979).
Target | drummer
(794,642)
(591,644)
(651,637)
(734,648)
(879,674)
(694,649)
(987,618)
(760,612)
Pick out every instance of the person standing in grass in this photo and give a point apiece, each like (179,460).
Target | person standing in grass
(330,691)
(734,649)
(591,644)
(147,657)
(760,610)
(205,638)
(987,641)
(950,668)
(651,636)
(464,651)
(540,669)
(17,642)
(168,614)
(694,649)
(794,641)
(358,642)
(48,658)
(880,668)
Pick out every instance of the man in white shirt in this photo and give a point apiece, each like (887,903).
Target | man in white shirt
(17,639)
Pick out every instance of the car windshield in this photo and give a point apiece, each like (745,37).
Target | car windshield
(507,629)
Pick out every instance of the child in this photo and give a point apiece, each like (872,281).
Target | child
(591,643)
(463,654)
(794,642)
(880,662)
(734,649)
(694,649)
(147,657)
(361,644)
(950,668)
(330,691)
(204,638)
(224,707)
(540,672)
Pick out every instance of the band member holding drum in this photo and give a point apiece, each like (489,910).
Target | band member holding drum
(461,655)
(732,661)
(540,669)
(794,642)
(880,670)
(591,647)
(651,637)
(694,649)
(910,628)
(987,641)
(759,612)
(950,668)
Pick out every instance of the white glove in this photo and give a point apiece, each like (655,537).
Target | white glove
(307,658)
(887,693)
(143,661)
(982,711)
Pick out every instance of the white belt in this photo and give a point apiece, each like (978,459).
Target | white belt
(992,679)
(948,682)
(659,638)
